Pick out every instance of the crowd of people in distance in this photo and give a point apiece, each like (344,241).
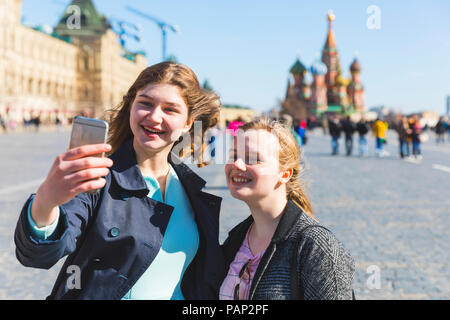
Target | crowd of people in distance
(298,127)
(344,125)
(409,129)
(28,123)
(411,134)
(32,121)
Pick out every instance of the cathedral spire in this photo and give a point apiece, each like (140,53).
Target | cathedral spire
(331,59)
(331,42)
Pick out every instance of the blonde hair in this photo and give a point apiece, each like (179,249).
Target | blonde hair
(289,158)
(203,105)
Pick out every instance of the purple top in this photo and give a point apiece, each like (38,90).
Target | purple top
(232,279)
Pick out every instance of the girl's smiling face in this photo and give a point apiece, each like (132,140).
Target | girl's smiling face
(158,117)
(253,170)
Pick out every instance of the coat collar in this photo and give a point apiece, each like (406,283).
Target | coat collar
(189,178)
(288,220)
(290,215)
(129,177)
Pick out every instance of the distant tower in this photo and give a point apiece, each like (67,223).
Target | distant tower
(89,37)
(298,71)
(318,87)
(297,102)
(331,59)
(355,89)
(301,88)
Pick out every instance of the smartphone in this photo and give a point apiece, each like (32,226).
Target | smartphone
(88,131)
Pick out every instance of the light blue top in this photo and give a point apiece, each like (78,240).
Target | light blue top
(41,233)
(162,279)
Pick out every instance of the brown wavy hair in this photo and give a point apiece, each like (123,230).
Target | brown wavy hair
(203,105)
(290,157)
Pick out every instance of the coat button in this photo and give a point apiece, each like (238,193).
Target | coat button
(114,232)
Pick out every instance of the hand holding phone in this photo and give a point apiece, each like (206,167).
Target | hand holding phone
(88,131)
(80,169)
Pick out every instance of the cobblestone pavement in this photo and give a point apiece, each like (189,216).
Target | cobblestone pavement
(392,215)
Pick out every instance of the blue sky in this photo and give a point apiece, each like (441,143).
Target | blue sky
(246,47)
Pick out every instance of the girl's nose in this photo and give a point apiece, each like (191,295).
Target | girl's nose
(155,114)
(240,164)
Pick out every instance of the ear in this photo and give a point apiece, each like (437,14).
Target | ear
(188,126)
(286,175)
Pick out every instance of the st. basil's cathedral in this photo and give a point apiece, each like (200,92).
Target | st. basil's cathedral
(329,92)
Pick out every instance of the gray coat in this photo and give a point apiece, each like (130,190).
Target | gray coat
(325,268)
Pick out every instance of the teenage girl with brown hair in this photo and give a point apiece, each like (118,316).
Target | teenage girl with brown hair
(150,232)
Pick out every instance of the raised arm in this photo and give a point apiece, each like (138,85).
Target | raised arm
(61,198)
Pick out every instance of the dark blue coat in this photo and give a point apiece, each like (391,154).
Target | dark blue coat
(114,236)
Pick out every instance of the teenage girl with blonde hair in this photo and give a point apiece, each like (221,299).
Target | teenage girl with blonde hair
(280,251)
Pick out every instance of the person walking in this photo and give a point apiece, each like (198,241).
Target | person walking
(379,130)
(293,126)
(440,129)
(335,132)
(3,124)
(403,130)
(150,232)
(416,132)
(349,128)
(300,131)
(363,128)
(37,121)
(447,126)
(234,125)
(280,252)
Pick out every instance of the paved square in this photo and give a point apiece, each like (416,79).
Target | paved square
(392,215)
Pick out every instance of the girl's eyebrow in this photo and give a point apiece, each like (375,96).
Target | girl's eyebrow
(143,95)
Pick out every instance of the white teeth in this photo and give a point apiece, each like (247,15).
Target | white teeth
(240,180)
(152,131)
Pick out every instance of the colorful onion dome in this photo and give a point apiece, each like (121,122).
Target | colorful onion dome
(318,68)
(341,81)
(355,66)
(298,68)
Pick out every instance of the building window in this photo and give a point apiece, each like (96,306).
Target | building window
(86,93)
(86,63)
